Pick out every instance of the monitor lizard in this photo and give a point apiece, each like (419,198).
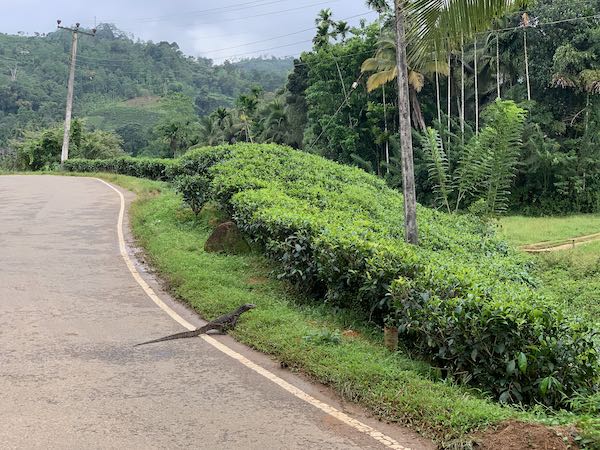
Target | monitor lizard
(221,324)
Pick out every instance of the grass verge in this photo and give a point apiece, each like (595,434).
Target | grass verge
(310,337)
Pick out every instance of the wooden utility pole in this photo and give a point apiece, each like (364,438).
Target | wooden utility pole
(65,147)
(411,234)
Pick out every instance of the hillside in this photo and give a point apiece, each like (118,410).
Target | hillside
(111,68)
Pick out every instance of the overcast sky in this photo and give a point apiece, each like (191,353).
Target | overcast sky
(216,29)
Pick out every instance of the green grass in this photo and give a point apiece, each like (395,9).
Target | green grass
(571,278)
(520,230)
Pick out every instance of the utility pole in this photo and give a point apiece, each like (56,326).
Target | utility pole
(65,147)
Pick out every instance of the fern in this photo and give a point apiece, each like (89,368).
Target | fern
(488,164)
(474,166)
(438,167)
(508,121)
(365,165)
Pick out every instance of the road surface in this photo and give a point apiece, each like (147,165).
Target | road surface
(70,312)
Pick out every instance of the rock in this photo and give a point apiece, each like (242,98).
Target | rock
(227,238)
(212,215)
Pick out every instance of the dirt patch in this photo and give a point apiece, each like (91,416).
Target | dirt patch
(351,333)
(513,435)
(565,244)
(253,281)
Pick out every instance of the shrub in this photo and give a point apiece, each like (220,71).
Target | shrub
(152,168)
(520,349)
(194,189)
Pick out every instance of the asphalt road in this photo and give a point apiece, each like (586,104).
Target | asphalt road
(70,313)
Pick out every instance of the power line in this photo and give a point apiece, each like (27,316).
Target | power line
(250,43)
(284,35)
(269,13)
(236,6)
(541,24)
(346,98)
(223,58)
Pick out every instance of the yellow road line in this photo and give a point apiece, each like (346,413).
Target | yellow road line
(296,392)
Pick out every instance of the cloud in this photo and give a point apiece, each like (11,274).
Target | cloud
(198,27)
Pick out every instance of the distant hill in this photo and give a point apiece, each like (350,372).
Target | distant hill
(117,79)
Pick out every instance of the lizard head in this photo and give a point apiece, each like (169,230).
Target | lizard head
(248,306)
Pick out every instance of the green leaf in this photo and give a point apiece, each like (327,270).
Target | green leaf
(510,367)
(544,385)
(522,362)
(474,354)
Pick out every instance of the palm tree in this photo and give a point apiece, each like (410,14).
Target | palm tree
(210,133)
(247,105)
(427,22)
(324,24)
(383,66)
(275,122)
(341,30)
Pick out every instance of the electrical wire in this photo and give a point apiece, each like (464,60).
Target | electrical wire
(201,12)
(346,98)
(285,35)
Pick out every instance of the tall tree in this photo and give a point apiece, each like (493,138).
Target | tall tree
(411,233)
(425,21)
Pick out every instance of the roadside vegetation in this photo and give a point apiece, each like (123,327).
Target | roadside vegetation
(307,216)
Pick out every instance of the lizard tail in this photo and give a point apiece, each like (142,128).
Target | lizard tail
(183,335)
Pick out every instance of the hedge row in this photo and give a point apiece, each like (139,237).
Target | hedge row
(152,168)
(462,297)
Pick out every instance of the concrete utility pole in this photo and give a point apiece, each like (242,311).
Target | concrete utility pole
(65,147)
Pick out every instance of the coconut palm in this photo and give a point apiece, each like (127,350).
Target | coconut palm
(210,133)
(275,122)
(427,24)
(383,66)
(341,30)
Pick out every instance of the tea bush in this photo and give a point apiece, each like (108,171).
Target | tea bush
(194,189)
(152,168)
(463,296)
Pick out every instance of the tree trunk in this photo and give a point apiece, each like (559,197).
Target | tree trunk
(408,174)
(417,114)
(526,65)
(498,64)
(437,89)
(385,128)
(462,88)
(476,89)
(449,102)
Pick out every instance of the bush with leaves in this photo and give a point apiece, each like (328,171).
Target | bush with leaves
(152,168)
(39,149)
(518,347)
(42,149)
(194,189)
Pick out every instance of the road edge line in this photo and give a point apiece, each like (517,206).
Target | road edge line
(296,392)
